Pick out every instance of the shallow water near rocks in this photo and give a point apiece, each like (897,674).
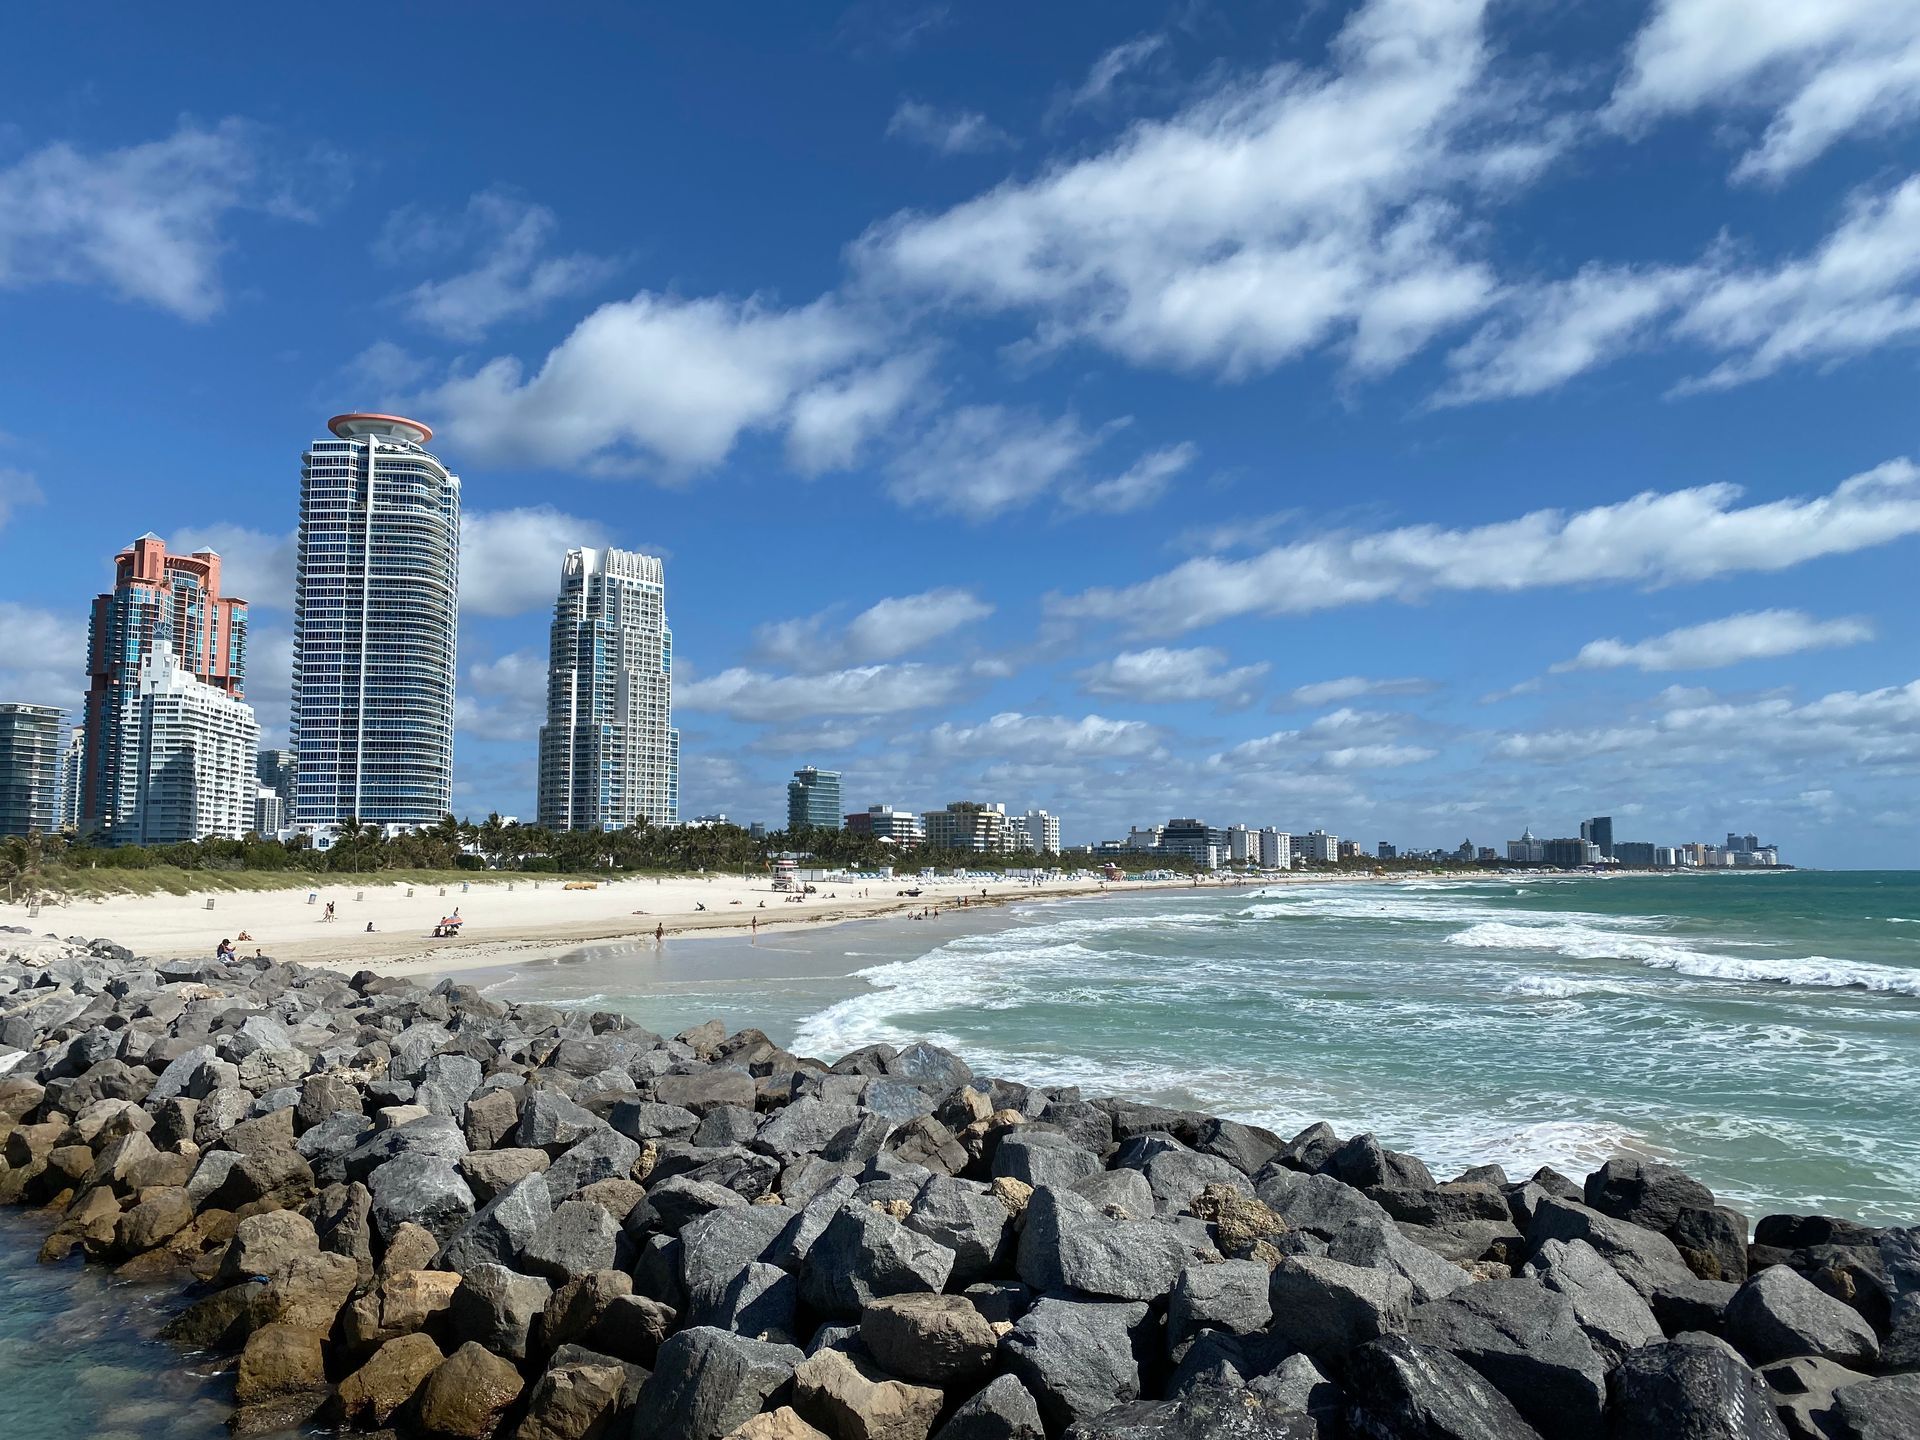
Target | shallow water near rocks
(77,1357)
(1762,1030)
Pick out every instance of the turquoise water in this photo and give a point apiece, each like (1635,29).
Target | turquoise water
(1762,1030)
(77,1357)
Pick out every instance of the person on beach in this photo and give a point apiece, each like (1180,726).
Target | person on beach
(659,933)
(224,951)
(756,924)
(369,927)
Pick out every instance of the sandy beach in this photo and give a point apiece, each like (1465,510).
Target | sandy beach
(505,921)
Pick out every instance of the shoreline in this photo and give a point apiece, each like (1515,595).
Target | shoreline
(506,923)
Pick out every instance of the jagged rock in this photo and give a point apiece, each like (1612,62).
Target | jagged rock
(371,1394)
(1712,1241)
(578,1308)
(1404,1390)
(648,1120)
(1378,1246)
(467,1394)
(782,1424)
(1066,1244)
(1526,1341)
(220,1321)
(933,1339)
(422,1190)
(1002,1410)
(573,1402)
(707,1383)
(412,1298)
(1077,1359)
(163,1212)
(603,1155)
(1777,1314)
(678,1199)
(1645,1193)
(1207,1412)
(761,1300)
(497,1307)
(1325,1308)
(578,1238)
(266,1245)
(967,1220)
(862,1255)
(501,1229)
(1802,1391)
(1318,1203)
(1041,1159)
(488,1172)
(1691,1390)
(1646,1260)
(490,1117)
(551,1122)
(1883,1409)
(278,1360)
(1232,1296)
(1298,1384)
(705,1090)
(850,1399)
(1609,1311)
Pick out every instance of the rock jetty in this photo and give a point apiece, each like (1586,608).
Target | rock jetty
(416,1209)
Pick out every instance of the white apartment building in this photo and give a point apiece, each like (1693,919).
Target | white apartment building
(1035,830)
(194,748)
(609,755)
(1276,849)
(73,778)
(1243,845)
(1527,850)
(1319,847)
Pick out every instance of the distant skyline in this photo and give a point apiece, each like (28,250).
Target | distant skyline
(1412,419)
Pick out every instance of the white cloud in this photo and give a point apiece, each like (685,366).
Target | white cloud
(1855,293)
(951,132)
(1106,73)
(1651,539)
(886,630)
(662,381)
(1825,69)
(510,559)
(1327,744)
(1376,757)
(1048,737)
(43,657)
(1553,331)
(1297,209)
(1879,728)
(1159,675)
(504,698)
(755,695)
(512,276)
(1350,687)
(146,221)
(254,566)
(1756,635)
(1139,485)
(980,460)
(832,422)
(17,489)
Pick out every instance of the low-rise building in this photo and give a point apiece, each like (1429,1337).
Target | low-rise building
(1205,845)
(975,825)
(1319,848)
(883,822)
(1570,853)
(1527,850)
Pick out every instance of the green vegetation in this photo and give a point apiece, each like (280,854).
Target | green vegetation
(462,851)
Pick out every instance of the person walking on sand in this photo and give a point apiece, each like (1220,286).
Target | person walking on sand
(659,933)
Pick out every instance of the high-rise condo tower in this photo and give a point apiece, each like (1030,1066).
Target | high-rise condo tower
(609,755)
(376,607)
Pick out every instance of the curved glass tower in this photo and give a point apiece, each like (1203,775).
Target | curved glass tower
(375,613)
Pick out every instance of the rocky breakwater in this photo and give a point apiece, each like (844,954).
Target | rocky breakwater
(421,1210)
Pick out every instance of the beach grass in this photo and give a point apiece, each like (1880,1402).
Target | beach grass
(86,882)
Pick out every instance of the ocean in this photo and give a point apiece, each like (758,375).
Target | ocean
(1762,1030)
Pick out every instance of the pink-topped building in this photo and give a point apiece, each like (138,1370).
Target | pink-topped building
(151,590)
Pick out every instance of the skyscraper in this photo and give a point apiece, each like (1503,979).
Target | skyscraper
(813,800)
(376,606)
(73,769)
(29,768)
(609,754)
(1600,831)
(151,590)
(276,771)
(193,749)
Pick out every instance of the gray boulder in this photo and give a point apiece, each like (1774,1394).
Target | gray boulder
(1231,1296)
(578,1238)
(649,1120)
(680,1199)
(422,1190)
(1363,1162)
(1712,1241)
(1318,1203)
(551,1122)
(720,1244)
(1176,1176)
(602,1154)
(760,1301)
(1075,1358)
(497,1307)
(707,1383)
(1003,1410)
(1401,1389)
(1802,1391)
(929,1339)
(1778,1314)
(706,1089)
(1527,1343)
(1381,1246)
(430,1136)
(1610,1312)
(1883,1409)
(862,1255)
(1691,1389)
(1645,1260)
(967,1220)
(1644,1192)
(1066,1244)
(499,1229)
(1118,1193)
(1042,1158)
(1325,1308)
(803,1127)
(1205,1412)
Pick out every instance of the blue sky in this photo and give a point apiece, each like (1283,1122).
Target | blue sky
(1417,419)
